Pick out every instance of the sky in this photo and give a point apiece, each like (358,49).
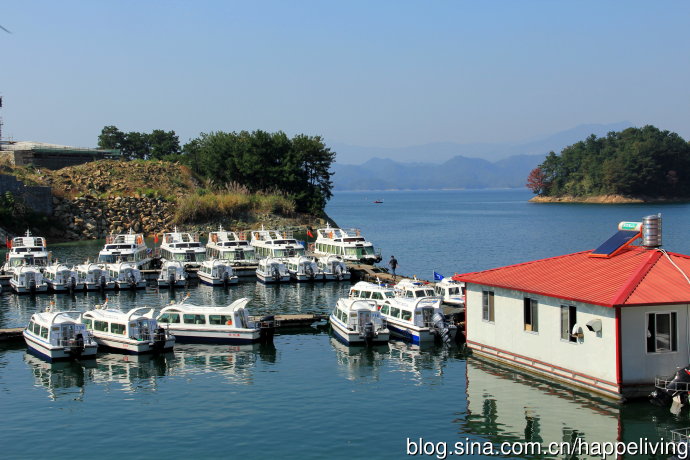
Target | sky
(362,73)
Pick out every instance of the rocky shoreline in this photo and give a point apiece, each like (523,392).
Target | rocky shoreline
(604,199)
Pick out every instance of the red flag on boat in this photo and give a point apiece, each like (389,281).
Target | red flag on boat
(8,242)
(155,238)
(310,234)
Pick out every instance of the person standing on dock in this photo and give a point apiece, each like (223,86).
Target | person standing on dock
(393,264)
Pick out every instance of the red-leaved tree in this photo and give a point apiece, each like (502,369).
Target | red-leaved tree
(536,181)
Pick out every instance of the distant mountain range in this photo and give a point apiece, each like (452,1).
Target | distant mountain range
(470,166)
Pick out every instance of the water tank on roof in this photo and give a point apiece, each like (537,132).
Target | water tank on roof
(651,231)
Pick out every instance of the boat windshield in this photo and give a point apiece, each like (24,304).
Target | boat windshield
(113,259)
(359,252)
(454,290)
(189,257)
(288,252)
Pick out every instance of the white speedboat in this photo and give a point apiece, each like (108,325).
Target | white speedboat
(303,268)
(414,289)
(371,291)
(418,320)
(275,244)
(26,250)
(126,276)
(57,335)
(172,275)
(231,247)
(61,278)
(217,273)
(333,268)
(94,277)
(125,247)
(272,271)
(27,280)
(129,332)
(347,243)
(358,322)
(451,292)
(231,324)
(183,247)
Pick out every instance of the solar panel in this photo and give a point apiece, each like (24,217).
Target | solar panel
(617,241)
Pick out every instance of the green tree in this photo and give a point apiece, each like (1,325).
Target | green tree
(111,138)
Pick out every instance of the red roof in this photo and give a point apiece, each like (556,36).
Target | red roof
(636,276)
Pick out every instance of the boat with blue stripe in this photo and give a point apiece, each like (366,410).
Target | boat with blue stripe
(418,320)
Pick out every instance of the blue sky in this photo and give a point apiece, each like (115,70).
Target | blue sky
(367,73)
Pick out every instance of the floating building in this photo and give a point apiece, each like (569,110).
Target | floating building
(609,320)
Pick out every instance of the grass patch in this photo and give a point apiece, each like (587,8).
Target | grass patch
(204,206)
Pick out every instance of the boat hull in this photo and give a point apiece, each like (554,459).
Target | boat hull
(270,279)
(349,337)
(176,284)
(216,336)
(216,281)
(415,335)
(133,347)
(123,286)
(334,277)
(52,353)
(97,286)
(20,289)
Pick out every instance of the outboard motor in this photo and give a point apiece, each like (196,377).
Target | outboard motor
(309,271)
(77,346)
(171,281)
(226,278)
(440,328)
(132,280)
(267,328)
(276,272)
(101,282)
(72,283)
(678,386)
(368,333)
(159,339)
(339,272)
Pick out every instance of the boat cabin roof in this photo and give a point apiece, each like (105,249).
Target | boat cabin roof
(366,286)
(356,304)
(410,304)
(130,239)
(35,243)
(113,314)
(237,306)
(48,318)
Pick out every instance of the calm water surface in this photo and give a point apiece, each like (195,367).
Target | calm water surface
(308,396)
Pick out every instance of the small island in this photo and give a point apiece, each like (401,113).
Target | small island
(636,165)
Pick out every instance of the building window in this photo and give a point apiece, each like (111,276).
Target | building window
(568,321)
(488,306)
(531,315)
(662,332)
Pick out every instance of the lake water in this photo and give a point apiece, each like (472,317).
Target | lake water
(308,396)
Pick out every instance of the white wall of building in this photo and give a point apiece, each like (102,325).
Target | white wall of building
(594,355)
(639,366)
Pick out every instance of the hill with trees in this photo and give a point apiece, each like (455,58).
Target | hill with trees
(258,161)
(637,163)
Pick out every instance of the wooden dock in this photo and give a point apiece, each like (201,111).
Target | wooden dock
(11,335)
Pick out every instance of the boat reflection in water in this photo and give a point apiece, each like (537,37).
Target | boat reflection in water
(359,362)
(61,379)
(423,364)
(234,362)
(131,373)
(504,405)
